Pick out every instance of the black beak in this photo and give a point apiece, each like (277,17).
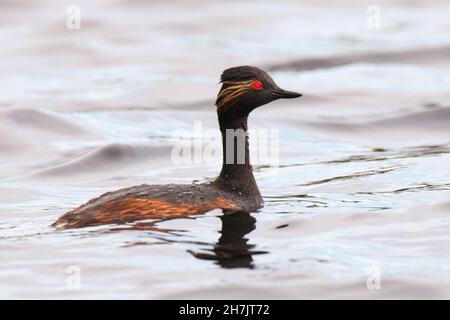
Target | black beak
(283,94)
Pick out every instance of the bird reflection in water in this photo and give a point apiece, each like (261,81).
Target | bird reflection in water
(232,250)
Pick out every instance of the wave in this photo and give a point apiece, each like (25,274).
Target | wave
(25,118)
(410,56)
(420,126)
(117,157)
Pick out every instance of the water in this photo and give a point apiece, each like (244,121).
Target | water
(362,184)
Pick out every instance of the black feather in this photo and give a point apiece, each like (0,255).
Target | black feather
(241,73)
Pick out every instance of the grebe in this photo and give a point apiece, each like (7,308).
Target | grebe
(243,89)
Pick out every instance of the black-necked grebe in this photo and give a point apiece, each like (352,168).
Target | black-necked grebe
(243,89)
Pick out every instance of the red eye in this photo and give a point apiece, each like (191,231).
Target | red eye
(257,85)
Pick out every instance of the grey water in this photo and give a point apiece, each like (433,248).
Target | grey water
(362,181)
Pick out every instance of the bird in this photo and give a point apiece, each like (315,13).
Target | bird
(243,89)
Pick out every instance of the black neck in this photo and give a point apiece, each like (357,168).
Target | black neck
(237,172)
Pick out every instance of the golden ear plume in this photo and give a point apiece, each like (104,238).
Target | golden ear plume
(232,92)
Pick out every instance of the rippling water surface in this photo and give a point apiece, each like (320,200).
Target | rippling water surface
(362,184)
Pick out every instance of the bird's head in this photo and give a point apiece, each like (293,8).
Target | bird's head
(245,88)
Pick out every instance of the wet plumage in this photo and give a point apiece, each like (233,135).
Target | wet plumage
(243,89)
